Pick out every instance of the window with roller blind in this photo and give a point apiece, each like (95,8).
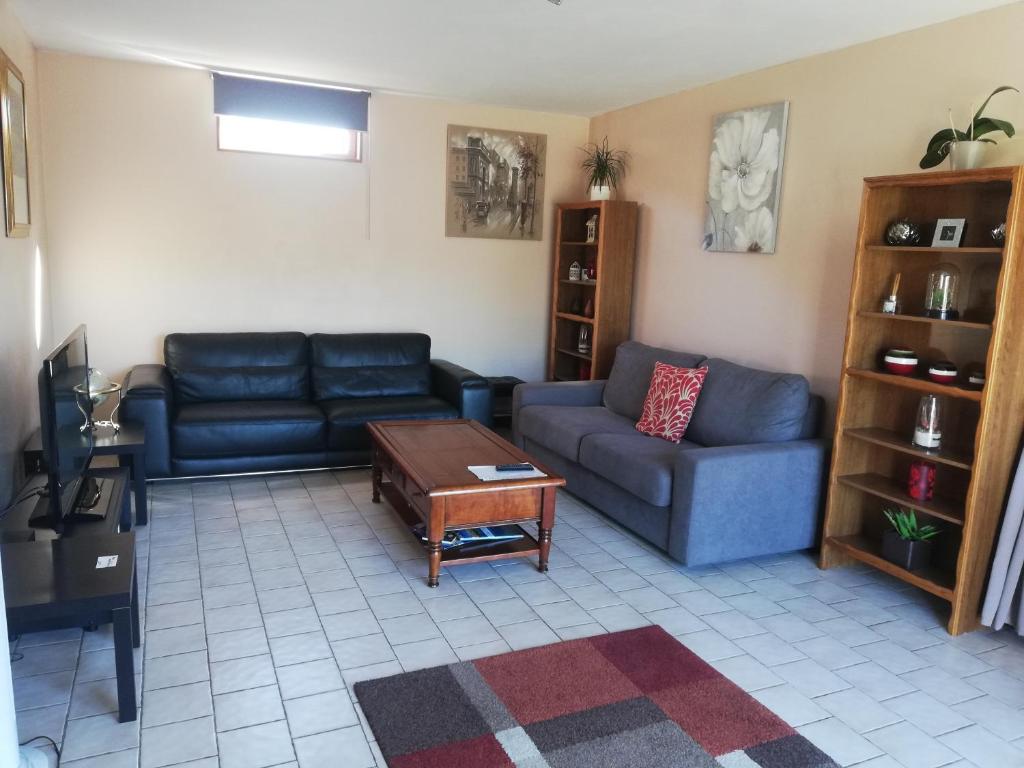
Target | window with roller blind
(288,118)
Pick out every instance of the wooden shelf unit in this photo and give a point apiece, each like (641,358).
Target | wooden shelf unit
(611,294)
(982,428)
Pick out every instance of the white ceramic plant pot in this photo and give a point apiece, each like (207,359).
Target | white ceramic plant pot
(601,193)
(964,155)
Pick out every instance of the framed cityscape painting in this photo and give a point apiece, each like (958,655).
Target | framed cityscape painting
(15,148)
(745,179)
(495,183)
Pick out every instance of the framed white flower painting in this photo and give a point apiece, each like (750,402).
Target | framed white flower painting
(745,179)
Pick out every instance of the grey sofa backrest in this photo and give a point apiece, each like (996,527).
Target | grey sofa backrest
(739,405)
(631,375)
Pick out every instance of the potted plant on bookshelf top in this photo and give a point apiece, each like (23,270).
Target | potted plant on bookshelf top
(605,168)
(966,149)
(907,544)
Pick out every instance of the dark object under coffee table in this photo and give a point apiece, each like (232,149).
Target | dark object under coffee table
(421,467)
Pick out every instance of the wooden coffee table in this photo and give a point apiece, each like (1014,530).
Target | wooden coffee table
(421,468)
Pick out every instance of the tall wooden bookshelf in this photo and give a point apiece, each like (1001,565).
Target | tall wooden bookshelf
(610,294)
(876,413)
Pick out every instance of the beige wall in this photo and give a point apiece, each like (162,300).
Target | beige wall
(19,352)
(866,110)
(154,230)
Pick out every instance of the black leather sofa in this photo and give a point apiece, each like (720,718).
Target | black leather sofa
(227,403)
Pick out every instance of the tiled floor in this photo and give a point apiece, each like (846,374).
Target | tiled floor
(266,599)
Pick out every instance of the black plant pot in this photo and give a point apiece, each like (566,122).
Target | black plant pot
(912,555)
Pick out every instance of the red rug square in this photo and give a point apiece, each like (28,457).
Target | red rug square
(652,659)
(555,680)
(720,716)
(483,752)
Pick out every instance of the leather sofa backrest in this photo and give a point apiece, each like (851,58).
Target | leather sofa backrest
(739,405)
(221,367)
(369,364)
(631,373)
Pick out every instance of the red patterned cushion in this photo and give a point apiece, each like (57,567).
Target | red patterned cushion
(670,401)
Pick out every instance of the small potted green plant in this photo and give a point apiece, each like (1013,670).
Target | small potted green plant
(966,149)
(605,168)
(907,544)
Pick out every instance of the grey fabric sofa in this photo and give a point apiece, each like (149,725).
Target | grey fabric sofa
(746,480)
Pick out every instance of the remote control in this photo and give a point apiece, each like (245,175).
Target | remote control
(513,467)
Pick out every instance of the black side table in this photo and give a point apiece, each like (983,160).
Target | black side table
(57,584)
(129,445)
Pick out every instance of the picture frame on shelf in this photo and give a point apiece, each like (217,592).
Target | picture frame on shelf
(948,233)
(14,134)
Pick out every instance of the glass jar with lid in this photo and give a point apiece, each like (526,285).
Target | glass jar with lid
(942,293)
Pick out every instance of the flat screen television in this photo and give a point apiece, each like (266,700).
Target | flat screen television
(64,406)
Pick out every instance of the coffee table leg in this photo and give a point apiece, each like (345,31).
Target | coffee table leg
(547,522)
(434,553)
(435,535)
(376,475)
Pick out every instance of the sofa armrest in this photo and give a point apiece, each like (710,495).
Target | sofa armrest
(567,393)
(740,501)
(148,399)
(466,390)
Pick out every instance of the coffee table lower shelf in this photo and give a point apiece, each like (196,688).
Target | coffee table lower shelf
(523,547)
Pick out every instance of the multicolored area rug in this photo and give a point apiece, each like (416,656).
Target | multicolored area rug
(635,699)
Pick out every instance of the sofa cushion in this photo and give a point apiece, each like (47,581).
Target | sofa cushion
(636,463)
(247,428)
(349,365)
(346,418)
(668,407)
(740,405)
(631,375)
(220,367)
(271,382)
(560,429)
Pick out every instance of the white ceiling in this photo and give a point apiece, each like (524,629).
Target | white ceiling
(583,57)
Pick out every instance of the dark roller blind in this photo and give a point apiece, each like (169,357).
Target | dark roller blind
(293,102)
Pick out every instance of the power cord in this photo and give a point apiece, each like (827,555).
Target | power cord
(54,743)
(39,490)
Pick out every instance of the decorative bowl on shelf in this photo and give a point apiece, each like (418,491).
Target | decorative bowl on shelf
(976,377)
(901,362)
(943,372)
(902,232)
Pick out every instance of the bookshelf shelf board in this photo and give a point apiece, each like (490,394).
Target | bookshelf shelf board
(573,353)
(937,249)
(920,385)
(574,318)
(893,440)
(934,321)
(868,551)
(888,489)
